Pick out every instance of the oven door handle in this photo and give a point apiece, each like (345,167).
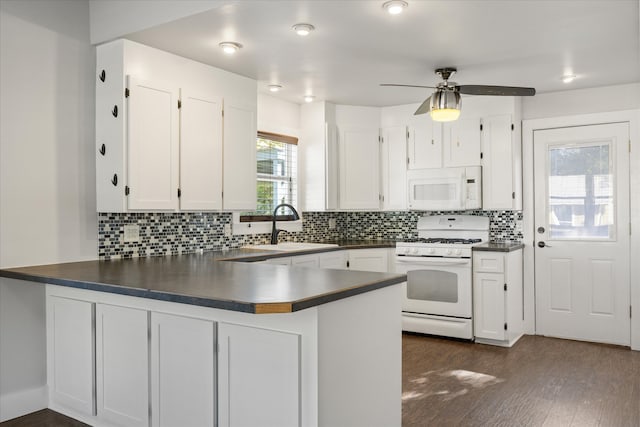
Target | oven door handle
(433,261)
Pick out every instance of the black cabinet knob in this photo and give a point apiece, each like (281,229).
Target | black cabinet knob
(115,111)
(114,180)
(102,76)
(103,149)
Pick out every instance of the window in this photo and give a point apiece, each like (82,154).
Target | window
(276,170)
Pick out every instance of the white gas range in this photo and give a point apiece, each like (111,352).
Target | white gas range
(437,297)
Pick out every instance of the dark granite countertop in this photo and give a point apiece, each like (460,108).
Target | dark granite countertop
(499,247)
(201,280)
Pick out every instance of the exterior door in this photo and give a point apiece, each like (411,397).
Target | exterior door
(582,233)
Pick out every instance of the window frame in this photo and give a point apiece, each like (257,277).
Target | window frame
(257,224)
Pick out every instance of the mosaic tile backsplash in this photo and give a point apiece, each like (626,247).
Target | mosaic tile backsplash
(181,233)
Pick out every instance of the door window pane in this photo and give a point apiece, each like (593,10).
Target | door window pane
(581,192)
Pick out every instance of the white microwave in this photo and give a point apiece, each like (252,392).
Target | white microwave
(446,189)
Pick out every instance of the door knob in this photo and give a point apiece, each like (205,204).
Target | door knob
(542,245)
(541,230)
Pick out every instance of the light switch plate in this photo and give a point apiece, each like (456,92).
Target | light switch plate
(131,233)
(332,223)
(227,230)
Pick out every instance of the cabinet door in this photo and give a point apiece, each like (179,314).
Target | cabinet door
(462,143)
(122,365)
(425,143)
(259,377)
(70,348)
(153,145)
(497,164)
(239,149)
(359,154)
(369,260)
(278,261)
(200,151)
(331,170)
(337,260)
(394,168)
(489,306)
(182,371)
(305,260)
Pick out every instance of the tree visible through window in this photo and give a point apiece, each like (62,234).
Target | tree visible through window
(276,172)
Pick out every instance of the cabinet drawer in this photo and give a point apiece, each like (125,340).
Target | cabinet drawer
(488,263)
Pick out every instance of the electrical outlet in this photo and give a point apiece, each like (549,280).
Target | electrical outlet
(227,230)
(332,223)
(131,233)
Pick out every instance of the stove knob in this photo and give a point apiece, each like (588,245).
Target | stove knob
(457,251)
(406,251)
(448,252)
(415,251)
(431,251)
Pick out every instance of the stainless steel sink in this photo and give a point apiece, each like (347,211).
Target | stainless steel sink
(292,246)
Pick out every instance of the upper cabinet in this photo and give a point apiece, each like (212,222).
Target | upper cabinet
(393,155)
(359,168)
(502,156)
(461,142)
(424,143)
(163,125)
(318,157)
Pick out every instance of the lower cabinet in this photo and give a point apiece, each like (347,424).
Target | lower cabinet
(334,259)
(70,349)
(497,297)
(312,260)
(376,260)
(122,365)
(259,377)
(183,365)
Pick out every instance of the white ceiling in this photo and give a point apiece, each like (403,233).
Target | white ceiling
(357,45)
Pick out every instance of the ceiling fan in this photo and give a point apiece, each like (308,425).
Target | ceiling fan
(444,104)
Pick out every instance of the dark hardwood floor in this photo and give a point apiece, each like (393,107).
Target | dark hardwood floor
(538,382)
(44,418)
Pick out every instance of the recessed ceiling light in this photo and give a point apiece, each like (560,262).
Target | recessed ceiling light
(230,47)
(568,78)
(274,88)
(395,7)
(309,98)
(303,29)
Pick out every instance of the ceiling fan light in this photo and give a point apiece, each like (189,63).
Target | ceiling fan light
(445,106)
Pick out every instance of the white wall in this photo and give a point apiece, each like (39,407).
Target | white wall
(113,19)
(47,175)
(581,101)
(278,116)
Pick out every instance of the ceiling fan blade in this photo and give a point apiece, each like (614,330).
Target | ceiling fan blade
(393,84)
(423,108)
(495,90)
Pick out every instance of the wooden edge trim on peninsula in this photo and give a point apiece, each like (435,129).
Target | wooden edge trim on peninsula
(272,308)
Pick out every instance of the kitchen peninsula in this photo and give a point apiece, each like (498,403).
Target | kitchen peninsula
(199,340)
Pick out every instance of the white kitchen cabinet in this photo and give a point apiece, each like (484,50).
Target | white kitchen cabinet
(394,168)
(376,260)
(333,259)
(276,261)
(318,157)
(501,163)
(424,143)
(359,176)
(239,157)
(151,152)
(70,354)
(497,297)
(461,142)
(122,365)
(247,353)
(153,145)
(312,260)
(183,366)
(200,150)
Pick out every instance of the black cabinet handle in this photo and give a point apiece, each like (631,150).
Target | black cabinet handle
(103,149)
(102,76)
(115,111)
(114,180)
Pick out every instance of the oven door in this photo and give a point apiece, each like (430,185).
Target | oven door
(439,286)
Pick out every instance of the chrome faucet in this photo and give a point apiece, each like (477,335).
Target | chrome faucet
(274,231)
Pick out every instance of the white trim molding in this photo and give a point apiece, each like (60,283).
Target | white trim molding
(528,127)
(23,402)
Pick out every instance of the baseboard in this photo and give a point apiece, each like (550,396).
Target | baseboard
(22,403)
